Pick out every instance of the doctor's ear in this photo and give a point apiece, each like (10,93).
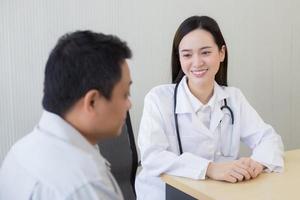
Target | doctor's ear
(222,53)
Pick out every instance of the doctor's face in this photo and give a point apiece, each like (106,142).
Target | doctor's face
(200,57)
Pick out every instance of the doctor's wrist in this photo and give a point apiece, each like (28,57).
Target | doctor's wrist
(210,170)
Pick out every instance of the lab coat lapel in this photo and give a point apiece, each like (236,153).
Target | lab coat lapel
(184,106)
(217,114)
(199,126)
(216,117)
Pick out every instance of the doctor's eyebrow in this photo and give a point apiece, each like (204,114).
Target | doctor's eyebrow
(202,48)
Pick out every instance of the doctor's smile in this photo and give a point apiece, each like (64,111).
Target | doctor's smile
(199,72)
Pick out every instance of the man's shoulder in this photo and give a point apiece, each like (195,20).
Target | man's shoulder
(55,163)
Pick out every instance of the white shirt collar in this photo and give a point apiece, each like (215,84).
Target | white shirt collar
(188,103)
(196,104)
(53,124)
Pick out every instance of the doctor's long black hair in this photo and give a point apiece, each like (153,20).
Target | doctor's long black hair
(188,25)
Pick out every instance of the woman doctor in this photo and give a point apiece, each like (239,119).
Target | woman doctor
(212,119)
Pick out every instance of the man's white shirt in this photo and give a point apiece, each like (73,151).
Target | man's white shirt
(55,161)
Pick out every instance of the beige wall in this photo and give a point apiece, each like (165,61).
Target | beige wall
(262,37)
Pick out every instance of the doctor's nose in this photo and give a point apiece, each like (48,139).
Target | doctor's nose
(198,61)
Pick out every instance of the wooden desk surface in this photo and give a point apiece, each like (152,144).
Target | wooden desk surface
(273,186)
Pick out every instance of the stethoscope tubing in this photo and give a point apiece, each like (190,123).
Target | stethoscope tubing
(225,106)
(176,118)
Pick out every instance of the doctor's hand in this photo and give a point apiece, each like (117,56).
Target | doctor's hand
(234,171)
(255,167)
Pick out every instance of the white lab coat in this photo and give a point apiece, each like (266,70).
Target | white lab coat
(158,143)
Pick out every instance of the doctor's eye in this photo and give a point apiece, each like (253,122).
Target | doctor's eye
(206,53)
(188,55)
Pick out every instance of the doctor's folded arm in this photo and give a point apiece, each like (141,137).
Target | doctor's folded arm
(194,127)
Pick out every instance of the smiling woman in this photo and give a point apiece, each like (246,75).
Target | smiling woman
(200,59)
(193,127)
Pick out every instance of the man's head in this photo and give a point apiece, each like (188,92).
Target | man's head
(87,82)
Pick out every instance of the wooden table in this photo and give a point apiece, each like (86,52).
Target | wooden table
(267,186)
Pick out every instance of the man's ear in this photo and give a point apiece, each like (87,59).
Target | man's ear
(90,99)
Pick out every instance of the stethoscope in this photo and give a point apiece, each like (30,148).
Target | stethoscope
(225,106)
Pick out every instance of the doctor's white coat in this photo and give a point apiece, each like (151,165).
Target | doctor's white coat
(158,143)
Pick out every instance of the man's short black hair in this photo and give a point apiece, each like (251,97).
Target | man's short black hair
(81,61)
